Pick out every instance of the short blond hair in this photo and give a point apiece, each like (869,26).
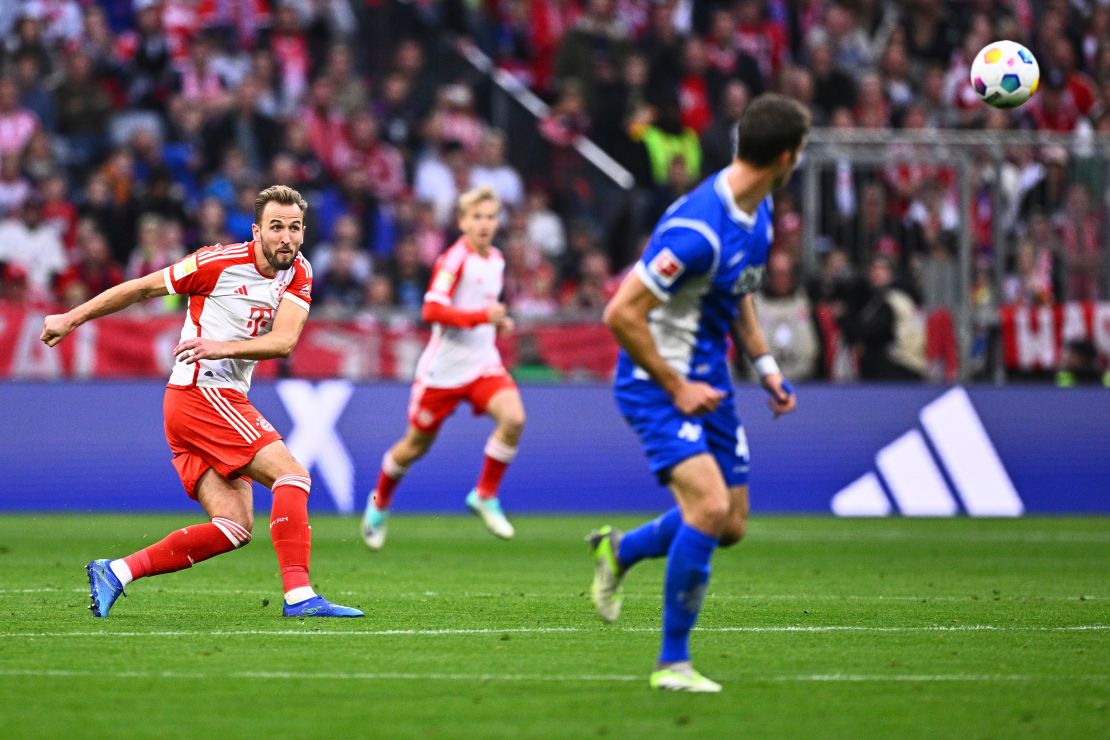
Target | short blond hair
(281,194)
(477,195)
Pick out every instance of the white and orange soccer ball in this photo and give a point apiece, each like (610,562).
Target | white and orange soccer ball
(1005,74)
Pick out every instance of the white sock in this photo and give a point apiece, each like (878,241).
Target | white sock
(123,573)
(298,595)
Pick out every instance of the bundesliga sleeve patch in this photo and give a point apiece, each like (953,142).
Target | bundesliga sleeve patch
(184,267)
(443,282)
(666,267)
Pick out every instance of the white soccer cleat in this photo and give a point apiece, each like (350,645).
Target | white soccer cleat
(683,677)
(374,524)
(489,509)
(605,590)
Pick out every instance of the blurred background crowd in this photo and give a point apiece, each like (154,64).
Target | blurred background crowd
(133,132)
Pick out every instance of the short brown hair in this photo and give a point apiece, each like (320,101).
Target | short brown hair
(770,125)
(281,194)
(477,195)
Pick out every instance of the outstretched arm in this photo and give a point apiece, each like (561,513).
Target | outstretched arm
(749,334)
(57,326)
(626,316)
(288,324)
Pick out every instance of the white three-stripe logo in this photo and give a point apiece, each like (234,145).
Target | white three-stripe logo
(914,479)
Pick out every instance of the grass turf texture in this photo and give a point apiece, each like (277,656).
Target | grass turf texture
(816,627)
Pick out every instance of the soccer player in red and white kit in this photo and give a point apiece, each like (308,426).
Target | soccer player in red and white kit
(247,302)
(461,362)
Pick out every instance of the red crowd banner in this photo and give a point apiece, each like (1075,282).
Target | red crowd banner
(141,345)
(1033,337)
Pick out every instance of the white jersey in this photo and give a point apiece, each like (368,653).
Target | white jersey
(465,280)
(230,300)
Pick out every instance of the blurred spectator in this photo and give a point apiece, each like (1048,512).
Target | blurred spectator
(567,119)
(832,87)
(351,93)
(379,294)
(157,248)
(32,245)
(534,300)
(593,51)
(346,235)
(212,224)
(408,275)
(718,140)
(678,183)
(33,95)
(1031,281)
(17,124)
(427,232)
(888,331)
(544,228)
(14,187)
(454,119)
(324,123)
(57,210)
(873,231)
(92,272)
(666,138)
(436,176)
(695,109)
(396,110)
(786,316)
(494,171)
(245,127)
(339,287)
(1081,234)
(362,148)
(594,286)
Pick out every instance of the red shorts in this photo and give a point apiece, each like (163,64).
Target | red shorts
(212,428)
(430,407)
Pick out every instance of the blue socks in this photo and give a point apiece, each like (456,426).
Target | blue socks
(683,589)
(651,540)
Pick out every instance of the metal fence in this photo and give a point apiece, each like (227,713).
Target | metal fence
(985,195)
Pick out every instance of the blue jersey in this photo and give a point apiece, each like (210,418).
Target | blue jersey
(704,256)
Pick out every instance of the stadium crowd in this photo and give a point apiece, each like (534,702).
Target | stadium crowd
(131,132)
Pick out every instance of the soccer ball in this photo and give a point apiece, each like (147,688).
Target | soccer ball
(1005,74)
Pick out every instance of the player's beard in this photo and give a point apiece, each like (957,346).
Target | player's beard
(277,259)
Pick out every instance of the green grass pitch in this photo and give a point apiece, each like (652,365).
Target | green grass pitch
(817,628)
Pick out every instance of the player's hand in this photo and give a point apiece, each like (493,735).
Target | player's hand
(55,328)
(694,398)
(191,350)
(783,399)
(496,313)
(506,326)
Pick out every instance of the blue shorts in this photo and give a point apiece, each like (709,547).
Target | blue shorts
(669,436)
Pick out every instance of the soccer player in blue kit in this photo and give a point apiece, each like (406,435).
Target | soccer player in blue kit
(672,316)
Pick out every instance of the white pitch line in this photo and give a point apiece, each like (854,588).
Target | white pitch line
(541,677)
(566,630)
(627,596)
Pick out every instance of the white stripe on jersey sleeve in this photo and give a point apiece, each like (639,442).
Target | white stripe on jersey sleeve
(169,280)
(645,278)
(299,301)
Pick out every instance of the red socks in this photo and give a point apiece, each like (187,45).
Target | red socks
(498,457)
(187,546)
(390,475)
(289,530)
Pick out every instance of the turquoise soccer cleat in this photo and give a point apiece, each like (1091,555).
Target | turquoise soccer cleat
(104,587)
(374,524)
(318,606)
(489,509)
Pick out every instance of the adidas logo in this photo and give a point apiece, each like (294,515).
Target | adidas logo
(915,474)
(241,290)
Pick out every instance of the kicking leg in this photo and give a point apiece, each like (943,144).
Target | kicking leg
(395,463)
(705,503)
(506,408)
(228,504)
(277,469)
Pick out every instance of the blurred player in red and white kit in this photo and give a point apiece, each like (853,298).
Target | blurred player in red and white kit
(247,302)
(461,362)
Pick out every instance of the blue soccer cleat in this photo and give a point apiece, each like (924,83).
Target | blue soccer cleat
(489,510)
(104,587)
(318,606)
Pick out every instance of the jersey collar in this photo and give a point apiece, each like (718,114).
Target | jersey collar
(720,184)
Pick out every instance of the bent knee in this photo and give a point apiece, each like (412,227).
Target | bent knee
(733,532)
(513,425)
(238,529)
